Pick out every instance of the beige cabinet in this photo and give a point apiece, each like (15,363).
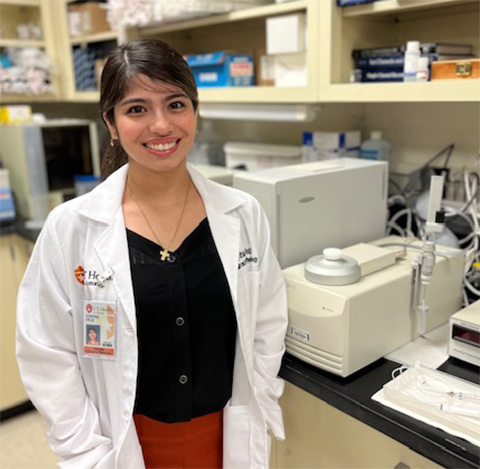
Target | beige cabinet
(37,13)
(14,254)
(331,35)
(244,31)
(67,45)
(331,32)
(394,22)
(321,436)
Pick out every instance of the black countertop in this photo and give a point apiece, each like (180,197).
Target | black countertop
(18,227)
(352,395)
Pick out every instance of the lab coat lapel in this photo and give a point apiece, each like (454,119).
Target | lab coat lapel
(219,204)
(103,206)
(112,249)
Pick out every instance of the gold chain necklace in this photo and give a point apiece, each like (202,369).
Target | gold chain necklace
(164,253)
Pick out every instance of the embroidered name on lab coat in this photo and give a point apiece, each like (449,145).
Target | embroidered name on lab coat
(245,257)
(88,278)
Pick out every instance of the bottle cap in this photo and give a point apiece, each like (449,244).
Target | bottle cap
(376,135)
(413,46)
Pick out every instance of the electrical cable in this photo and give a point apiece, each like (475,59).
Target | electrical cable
(467,238)
(401,213)
(397,198)
(396,227)
(472,197)
(471,288)
(454,252)
(465,301)
(448,149)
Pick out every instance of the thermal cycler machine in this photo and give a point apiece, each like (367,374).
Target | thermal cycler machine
(343,328)
(464,336)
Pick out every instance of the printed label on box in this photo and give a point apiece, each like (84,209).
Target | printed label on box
(241,69)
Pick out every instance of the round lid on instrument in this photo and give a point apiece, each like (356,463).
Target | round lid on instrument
(332,268)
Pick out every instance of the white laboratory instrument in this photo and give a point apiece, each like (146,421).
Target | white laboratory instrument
(43,160)
(216,173)
(317,205)
(343,328)
(464,337)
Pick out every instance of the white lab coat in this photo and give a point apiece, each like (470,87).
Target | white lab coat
(88,402)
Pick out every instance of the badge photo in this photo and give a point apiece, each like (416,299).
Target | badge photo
(99,328)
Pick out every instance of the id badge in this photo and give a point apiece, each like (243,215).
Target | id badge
(100,329)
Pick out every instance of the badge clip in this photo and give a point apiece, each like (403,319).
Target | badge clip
(103,277)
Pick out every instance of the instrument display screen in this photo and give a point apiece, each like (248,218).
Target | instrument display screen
(466,335)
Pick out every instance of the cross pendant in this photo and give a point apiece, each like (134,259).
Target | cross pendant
(164,254)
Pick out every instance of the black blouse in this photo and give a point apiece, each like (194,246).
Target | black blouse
(186,328)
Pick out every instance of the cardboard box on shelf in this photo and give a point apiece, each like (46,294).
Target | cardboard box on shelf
(286,34)
(222,69)
(263,68)
(99,64)
(15,113)
(87,18)
(290,70)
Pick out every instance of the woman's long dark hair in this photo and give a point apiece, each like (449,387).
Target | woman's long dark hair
(152,58)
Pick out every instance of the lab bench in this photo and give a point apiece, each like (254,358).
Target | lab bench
(356,429)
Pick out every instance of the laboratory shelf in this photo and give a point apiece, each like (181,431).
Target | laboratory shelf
(352,395)
(22,3)
(5,42)
(460,90)
(203,35)
(391,23)
(219,19)
(255,94)
(246,94)
(30,98)
(395,7)
(90,38)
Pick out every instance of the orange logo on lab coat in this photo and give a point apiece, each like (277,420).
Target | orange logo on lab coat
(80,275)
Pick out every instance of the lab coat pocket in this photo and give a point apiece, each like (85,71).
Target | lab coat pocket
(236,437)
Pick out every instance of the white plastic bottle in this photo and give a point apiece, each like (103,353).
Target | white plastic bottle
(375,148)
(410,64)
(423,70)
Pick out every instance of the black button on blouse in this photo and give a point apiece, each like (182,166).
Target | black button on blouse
(186,328)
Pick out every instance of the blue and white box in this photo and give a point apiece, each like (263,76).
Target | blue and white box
(222,69)
(319,146)
(7,206)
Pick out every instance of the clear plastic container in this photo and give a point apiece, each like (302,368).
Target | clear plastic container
(85,183)
(375,148)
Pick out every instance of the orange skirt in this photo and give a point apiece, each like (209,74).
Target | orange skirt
(197,444)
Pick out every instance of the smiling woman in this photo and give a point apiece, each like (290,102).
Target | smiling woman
(146,66)
(180,344)
(155,124)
